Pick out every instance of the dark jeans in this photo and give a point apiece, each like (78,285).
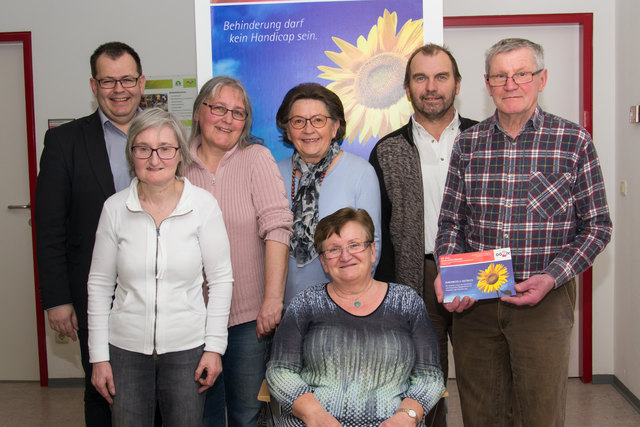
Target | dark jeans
(442,321)
(142,380)
(96,410)
(243,369)
(513,360)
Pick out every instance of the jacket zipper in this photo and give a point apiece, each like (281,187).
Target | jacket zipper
(155,307)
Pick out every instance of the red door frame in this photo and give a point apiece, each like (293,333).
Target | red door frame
(25,39)
(585,22)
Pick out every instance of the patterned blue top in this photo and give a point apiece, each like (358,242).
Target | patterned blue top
(358,367)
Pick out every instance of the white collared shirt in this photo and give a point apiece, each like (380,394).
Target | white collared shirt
(434,163)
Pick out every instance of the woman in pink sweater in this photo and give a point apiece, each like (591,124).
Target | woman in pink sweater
(245,180)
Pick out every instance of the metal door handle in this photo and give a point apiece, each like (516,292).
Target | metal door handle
(27,206)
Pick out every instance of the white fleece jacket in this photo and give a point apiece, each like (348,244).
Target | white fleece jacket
(159,273)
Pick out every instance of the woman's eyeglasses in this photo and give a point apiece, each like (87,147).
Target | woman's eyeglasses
(351,248)
(318,121)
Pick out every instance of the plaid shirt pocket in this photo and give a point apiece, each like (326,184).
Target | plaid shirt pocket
(549,193)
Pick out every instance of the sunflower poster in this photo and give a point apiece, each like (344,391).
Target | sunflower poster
(356,48)
(478,275)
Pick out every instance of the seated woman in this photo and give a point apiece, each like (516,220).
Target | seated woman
(152,340)
(354,351)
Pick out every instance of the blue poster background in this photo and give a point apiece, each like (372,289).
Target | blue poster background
(271,48)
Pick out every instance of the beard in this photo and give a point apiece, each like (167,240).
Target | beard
(433,105)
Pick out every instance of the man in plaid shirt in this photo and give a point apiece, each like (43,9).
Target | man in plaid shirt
(531,181)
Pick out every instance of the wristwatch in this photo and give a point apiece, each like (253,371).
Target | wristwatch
(411,413)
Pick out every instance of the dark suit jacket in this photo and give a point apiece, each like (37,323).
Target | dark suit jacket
(74,181)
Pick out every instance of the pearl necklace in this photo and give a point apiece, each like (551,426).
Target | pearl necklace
(293,181)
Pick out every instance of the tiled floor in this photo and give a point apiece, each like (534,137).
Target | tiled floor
(27,404)
(588,405)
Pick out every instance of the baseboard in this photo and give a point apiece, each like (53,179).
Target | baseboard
(66,382)
(620,387)
(626,393)
(602,379)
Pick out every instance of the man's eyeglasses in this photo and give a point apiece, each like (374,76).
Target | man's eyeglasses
(351,248)
(318,121)
(219,110)
(164,153)
(126,82)
(520,78)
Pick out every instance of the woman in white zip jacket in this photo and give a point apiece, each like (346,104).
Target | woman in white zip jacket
(152,338)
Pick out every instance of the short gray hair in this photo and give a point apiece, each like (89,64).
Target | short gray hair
(158,118)
(507,45)
(212,89)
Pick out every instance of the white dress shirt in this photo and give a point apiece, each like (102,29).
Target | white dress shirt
(434,162)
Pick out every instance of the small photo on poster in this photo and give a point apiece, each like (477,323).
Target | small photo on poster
(175,94)
(159,100)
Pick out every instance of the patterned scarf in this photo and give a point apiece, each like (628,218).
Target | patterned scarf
(305,205)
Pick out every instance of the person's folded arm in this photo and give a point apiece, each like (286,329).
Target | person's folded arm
(285,365)
(275,221)
(309,410)
(426,382)
(276,266)
(593,222)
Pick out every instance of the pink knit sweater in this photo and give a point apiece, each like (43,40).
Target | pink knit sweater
(255,208)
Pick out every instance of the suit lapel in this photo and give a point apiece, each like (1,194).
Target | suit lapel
(97,153)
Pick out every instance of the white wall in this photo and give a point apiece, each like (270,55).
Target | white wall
(65,32)
(627,152)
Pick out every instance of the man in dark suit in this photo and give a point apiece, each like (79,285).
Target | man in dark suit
(82,164)
(412,164)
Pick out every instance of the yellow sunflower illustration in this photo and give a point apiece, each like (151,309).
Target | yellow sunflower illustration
(370,78)
(492,279)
